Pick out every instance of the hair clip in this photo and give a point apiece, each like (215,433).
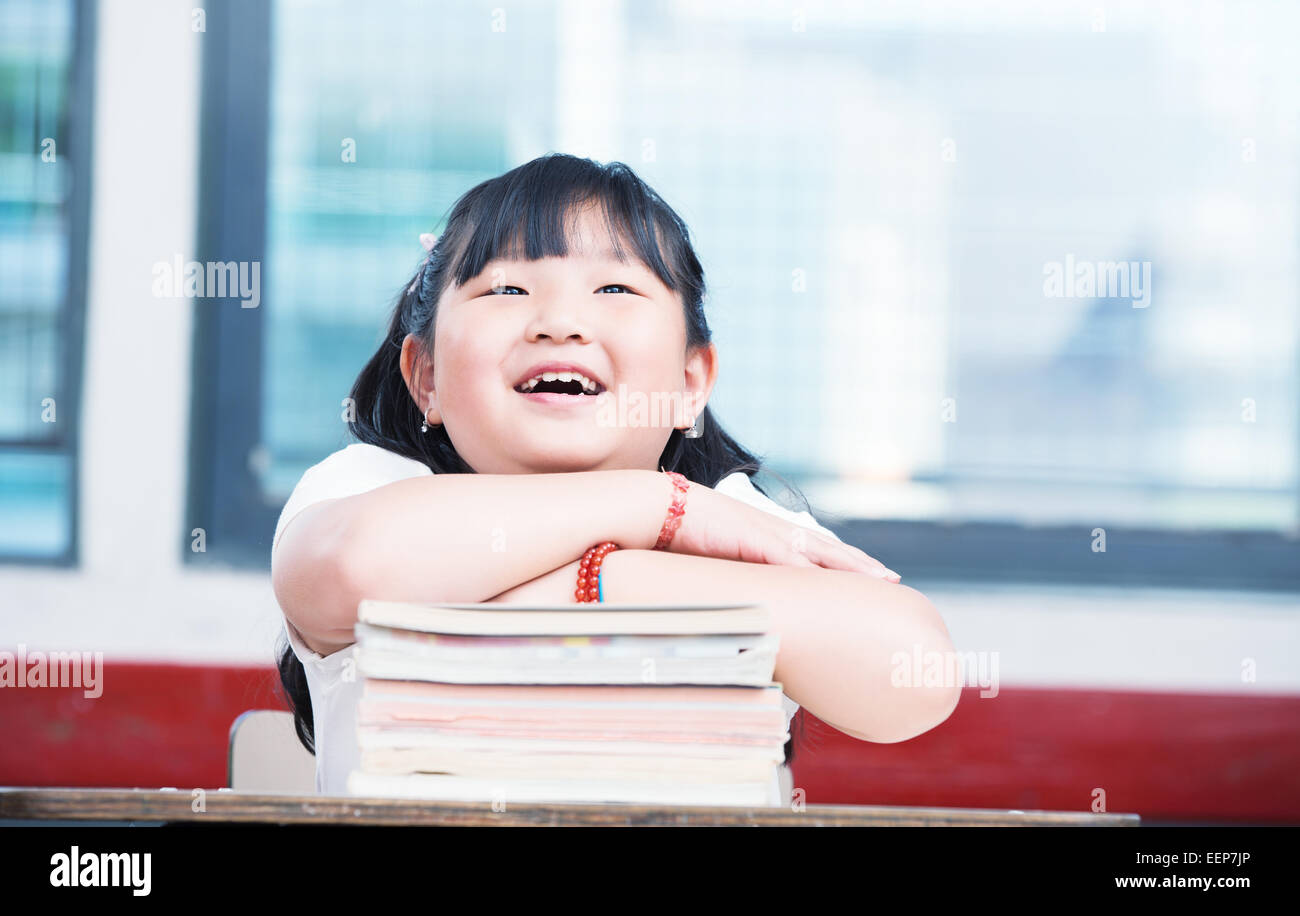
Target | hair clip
(428,240)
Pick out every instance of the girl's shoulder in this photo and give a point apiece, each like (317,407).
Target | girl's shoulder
(356,468)
(368,460)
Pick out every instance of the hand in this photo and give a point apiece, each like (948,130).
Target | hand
(716,525)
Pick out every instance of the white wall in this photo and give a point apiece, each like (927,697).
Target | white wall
(132,595)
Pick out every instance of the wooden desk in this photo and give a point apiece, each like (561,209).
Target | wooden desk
(168,806)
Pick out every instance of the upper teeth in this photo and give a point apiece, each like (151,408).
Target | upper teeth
(587,384)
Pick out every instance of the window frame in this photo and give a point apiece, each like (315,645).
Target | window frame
(224,497)
(64,437)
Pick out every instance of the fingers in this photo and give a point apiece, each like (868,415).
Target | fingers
(833,554)
(876,567)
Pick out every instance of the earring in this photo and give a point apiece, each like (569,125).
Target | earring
(694,432)
(424,428)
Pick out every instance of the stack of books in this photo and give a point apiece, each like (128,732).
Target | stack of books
(598,704)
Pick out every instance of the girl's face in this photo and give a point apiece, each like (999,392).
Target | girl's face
(616,323)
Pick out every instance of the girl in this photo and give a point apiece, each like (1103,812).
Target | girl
(485,467)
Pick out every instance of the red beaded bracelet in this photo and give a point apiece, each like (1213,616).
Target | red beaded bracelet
(675,511)
(588,590)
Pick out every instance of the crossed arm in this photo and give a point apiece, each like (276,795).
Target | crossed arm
(434,538)
(839,631)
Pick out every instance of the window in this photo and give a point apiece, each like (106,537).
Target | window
(361,161)
(988,285)
(45,68)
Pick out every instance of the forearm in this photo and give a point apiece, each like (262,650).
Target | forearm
(839,631)
(467,537)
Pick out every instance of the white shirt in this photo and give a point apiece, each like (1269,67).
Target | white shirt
(359,468)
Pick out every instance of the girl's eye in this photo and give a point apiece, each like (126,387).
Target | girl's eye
(502,290)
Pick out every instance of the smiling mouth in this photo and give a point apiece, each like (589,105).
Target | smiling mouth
(558,387)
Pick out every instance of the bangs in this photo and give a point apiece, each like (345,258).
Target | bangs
(533,212)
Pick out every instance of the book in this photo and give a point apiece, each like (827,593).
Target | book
(694,721)
(395,653)
(502,765)
(566,619)
(720,714)
(646,704)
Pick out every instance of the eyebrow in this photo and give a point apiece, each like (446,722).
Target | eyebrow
(600,254)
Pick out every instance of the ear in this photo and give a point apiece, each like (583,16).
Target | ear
(417,371)
(701,373)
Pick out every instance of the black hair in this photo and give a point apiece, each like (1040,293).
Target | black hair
(529,205)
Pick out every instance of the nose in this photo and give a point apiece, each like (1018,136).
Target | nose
(559,318)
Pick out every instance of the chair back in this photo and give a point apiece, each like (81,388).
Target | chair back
(265,755)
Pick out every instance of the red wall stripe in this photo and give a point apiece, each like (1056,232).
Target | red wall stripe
(1165,756)
(1162,755)
(154,725)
